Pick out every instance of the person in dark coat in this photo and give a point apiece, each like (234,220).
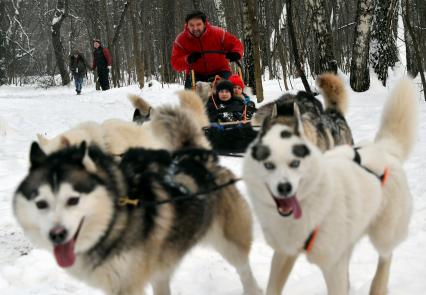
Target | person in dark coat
(204,48)
(102,61)
(78,67)
(225,107)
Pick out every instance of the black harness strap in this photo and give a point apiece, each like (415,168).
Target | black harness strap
(124,201)
(357,159)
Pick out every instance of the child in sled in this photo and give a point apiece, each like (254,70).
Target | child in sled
(226,107)
(239,88)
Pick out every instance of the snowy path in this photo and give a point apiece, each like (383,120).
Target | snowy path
(24,111)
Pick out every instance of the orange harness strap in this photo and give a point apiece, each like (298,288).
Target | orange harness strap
(214,102)
(309,243)
(384,177)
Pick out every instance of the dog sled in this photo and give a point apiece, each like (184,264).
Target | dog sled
(228,138)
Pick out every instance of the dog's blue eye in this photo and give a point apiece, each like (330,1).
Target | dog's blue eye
(269,165)
(73,201)
(294,163)
(42,205)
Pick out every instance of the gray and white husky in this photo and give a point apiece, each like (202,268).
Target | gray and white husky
(102,219)
(324,127)
(323,203)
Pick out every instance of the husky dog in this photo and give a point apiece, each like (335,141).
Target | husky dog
(324,128)
(115,136)
(105,223)
(324,203)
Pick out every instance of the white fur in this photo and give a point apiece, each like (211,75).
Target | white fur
(338,196)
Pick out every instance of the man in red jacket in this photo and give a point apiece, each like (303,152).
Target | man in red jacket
(204,48)
(102,61)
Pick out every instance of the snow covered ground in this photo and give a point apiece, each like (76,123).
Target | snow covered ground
(25,111)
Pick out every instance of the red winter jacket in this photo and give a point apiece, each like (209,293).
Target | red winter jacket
(107,56)
(213,38)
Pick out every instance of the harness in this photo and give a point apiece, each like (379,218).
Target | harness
(309,243)
(125,200)
(382,178)
(168,180)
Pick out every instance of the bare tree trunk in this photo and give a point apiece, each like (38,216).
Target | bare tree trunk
(406,18)
(137,45)
(293,42)
(251,33)
(113,44)
(60,14)
(283,60)
(385,53)
(127,51)
(360,74)
(3,44)
(324,39)
(412,66)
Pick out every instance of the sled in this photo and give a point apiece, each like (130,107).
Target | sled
(230,139)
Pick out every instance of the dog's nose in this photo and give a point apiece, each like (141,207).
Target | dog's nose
(284,188)
(58,235)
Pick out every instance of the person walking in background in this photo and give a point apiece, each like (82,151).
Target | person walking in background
(204,48)
(78,67)
(102,61)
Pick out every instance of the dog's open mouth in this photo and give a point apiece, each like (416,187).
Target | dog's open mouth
(64,253)
(287,206)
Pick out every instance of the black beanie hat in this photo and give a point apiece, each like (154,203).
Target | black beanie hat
(225,84)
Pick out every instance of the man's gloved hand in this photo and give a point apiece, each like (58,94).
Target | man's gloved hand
(109,68)
(193,57)
(233,56)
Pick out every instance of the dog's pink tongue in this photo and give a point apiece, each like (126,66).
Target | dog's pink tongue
(294,204)
(297,211)
(64,254)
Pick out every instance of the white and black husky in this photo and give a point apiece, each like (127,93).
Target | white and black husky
(322,204)
(104,223)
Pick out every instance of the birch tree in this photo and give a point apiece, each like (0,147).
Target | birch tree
(360,74)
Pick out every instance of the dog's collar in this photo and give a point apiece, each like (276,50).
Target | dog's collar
(309,243)
(383,178)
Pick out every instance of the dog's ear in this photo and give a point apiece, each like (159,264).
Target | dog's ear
(37,156)
(298,128)
(42,140)
(285,108)
(266,125)
(274,112)
(79,153)
(82,155)
(140,118)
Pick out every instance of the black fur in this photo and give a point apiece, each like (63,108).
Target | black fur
(286,134)
(260,152)
(301,150)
